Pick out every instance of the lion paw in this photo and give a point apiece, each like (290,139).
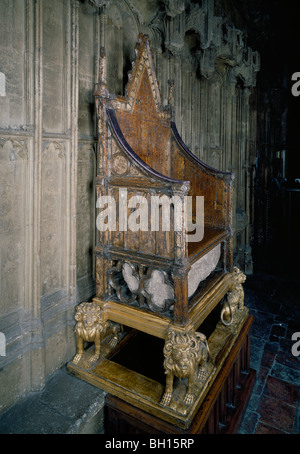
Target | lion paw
(189,398)
(166,399)
(114,341)
(201,375)
(93,358)
(77,358)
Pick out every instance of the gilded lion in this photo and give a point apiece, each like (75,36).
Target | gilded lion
(235,297)
(183,354)
(88,328)
(237,288)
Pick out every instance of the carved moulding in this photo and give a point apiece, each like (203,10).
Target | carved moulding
(12,149)
(186,356)
(149,288)
(119,163)
(120,166)
(124,279)
(158,290)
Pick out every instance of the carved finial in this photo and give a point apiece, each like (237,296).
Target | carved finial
(103,66)
(170,106)
(170,93)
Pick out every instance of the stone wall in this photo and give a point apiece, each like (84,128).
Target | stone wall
(49,65)
(47,164)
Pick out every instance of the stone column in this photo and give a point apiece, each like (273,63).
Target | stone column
(37,342)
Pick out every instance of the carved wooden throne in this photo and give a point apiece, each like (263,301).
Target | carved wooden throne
(153,272)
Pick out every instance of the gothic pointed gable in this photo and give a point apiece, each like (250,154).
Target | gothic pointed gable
(142,93)
(145,124)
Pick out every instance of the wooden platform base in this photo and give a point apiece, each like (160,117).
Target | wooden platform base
(220,412)
(133,375)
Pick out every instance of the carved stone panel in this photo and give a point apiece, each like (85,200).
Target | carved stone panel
(54,61)
(86,69)
(13,221)
(13,41)
(53,220)
(85,211)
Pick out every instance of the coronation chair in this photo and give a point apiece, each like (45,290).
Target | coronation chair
(164,252)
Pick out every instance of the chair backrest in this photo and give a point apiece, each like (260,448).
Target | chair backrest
(144,122)
(148,128)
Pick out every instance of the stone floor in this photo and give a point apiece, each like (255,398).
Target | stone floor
(69,405)
(274,406)
(66,405)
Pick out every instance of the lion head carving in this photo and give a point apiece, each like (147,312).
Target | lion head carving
(183,354)
(238,276)
(89,322)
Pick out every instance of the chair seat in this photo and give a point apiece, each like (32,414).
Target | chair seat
(212,237)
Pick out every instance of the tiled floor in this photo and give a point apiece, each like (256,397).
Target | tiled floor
(274,406)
